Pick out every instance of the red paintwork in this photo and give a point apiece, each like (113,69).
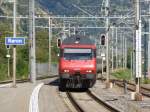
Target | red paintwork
(77,65)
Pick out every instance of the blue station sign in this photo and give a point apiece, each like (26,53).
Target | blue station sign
(15,41)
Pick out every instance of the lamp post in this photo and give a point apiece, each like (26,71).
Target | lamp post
(50,37)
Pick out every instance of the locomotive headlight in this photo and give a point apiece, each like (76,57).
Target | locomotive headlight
(66,71)
(89,71)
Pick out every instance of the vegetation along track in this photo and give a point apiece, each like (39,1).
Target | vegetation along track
(130,86)
(95,98)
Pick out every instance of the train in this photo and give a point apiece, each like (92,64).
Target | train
(77,62)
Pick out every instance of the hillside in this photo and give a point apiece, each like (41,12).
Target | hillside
(66,7)
(6,30)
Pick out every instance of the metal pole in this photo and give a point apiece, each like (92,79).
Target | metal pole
(112,58)
(116,49)
(107,40)
(112,50)
(138,46)
(102,67)
(8,63)
(50,37)
(14,48)
(84,33)
(145,51)
(131,65)
(122,50)
(74,30)
(125,53)
(32,56)
(133,54)
(125,86)
(149,47)
(149,57)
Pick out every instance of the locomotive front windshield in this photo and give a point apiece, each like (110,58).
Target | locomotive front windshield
(78,54)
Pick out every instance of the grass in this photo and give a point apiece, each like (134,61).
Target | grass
(125,74)
(146,81)
(3,72)
(122,74)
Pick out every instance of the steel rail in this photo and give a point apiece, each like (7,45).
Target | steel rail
(144,91)
(120,84)
(99,101)
(75,104)
(79,109)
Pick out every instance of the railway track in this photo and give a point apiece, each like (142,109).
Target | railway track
(74,103)
(27,80)
(112,109)
(130,86)
(77,101)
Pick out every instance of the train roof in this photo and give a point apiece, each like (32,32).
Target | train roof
(78,39)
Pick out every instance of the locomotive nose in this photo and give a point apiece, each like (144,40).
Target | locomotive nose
(77,73)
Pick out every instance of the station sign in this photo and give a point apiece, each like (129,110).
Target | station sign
(15,41)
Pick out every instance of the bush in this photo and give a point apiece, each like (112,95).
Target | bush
(122,74)
(146,81)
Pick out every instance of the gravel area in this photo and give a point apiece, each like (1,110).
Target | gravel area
(116,97)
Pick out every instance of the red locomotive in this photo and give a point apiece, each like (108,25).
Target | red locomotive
(77,63)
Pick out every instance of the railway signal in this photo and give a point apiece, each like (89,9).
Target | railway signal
(58,42)
(103,37)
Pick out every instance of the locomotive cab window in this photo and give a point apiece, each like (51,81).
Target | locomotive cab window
(78,54)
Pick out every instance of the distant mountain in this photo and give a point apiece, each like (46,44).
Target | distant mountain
(66,7)
(59,7)
(22,7)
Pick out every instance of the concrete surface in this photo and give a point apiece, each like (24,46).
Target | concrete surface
(15,99)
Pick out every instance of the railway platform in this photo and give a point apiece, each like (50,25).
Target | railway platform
(15,99)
